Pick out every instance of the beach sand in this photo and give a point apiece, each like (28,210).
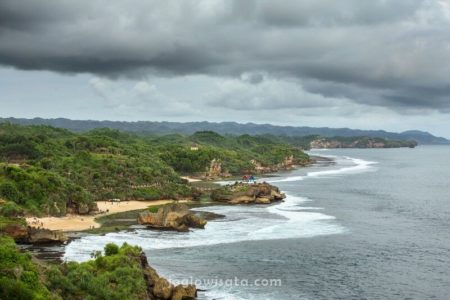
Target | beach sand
(190,179)
(84,222)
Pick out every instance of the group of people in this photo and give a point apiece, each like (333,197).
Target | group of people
(249,178)
(37,223)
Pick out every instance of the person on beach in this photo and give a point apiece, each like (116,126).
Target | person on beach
(245,178)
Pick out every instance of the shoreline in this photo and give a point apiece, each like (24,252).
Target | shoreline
(75,223)
(80,223)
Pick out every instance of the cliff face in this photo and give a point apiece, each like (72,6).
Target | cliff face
(330,143)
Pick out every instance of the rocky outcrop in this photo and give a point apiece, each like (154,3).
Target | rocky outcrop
(215,170)
(160,288)
(82,208)
(42,235)
(174,216)
(288,163)
(18,232)
(32,235)
(242,193)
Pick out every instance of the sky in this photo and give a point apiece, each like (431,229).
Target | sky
(379,64)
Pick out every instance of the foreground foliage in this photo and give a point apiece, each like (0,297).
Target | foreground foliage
(19,276)
(117,274)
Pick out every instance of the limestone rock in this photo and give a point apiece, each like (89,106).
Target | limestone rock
(41,235)
(172,217)
(18,232)
(163,288)
(192,220)
(243,193)
(184,292)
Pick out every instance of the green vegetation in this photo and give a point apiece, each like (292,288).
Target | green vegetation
(19,276)
(115,275)
(46,170)
(235,153)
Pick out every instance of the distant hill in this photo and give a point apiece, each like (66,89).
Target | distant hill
(230,128)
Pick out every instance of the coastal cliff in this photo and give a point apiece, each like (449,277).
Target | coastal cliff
(362,142)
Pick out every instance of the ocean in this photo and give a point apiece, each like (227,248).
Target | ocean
(374,224)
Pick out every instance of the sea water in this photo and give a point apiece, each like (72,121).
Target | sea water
(374,224)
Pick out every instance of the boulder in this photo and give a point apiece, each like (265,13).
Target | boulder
(162,289)
(262,200)
(194,221)
(184,292)
(41,235)
(174,216)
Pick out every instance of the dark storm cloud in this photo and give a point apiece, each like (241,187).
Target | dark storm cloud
(387,52)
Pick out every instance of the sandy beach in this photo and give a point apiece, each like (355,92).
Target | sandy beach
(190,179)
(84,222)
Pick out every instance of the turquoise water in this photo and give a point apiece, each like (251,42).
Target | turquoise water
(373,225)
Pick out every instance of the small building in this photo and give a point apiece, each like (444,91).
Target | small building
(194,147)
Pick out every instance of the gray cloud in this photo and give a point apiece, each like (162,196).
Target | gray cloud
(386,53)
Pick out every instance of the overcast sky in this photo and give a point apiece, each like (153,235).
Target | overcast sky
(375,64)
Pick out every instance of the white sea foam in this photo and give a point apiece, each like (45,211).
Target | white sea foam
(217,294)
(242,223)
(289,219)
(348,165)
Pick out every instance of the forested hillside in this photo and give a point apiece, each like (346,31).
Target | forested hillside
(148,127)
(51,170)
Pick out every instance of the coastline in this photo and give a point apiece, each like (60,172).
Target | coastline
(73,223)
(79,223)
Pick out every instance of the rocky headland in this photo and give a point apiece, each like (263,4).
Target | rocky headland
(362,142)
(33,235)
(176,216)
(244,193)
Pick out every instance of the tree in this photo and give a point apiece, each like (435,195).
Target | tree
(111,249)
(9,191)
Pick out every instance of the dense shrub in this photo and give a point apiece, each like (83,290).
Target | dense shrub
(19,277)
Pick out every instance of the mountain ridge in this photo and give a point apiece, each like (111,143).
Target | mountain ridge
(164,127)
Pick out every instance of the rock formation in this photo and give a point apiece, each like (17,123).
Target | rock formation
(289,162)
(242,193)
(17,231)
(160,288)
(32,235)
(42,235)
(175,216)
